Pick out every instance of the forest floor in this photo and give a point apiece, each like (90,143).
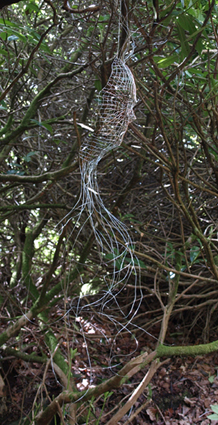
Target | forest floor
(181,392)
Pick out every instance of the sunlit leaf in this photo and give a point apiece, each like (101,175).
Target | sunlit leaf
(32,7)
(13,37)
(165,62)
(214,407)
(8,23)
(213,417)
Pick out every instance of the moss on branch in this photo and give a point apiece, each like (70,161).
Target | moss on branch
(24,356)
(191,350)
(116,381)
(54,175)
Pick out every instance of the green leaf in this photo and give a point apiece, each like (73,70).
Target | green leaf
(164,63)
(73,353)
(34,37)
(196,74)
(98,85)
(104,18)
(149,392)
(43,124)
(213,417)
(8,23)
(13,37)
(185,49)
(45,48)
(214,407)
(19,173)
(4,52)
(3,35)
(27,158)
(13,33)
(34,33)
(197,13)
(3,106)
(142,264)
(187,23)
(121,260)
(211,379)
(32,7)
(57,141)
(191,25)
(194,253)
(47,126)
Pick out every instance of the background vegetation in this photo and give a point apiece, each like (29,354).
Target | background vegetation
(162,182)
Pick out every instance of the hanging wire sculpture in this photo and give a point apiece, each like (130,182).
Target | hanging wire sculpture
(115,105)
(115,111)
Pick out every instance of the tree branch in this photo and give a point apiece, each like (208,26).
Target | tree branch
(116,381)
(54,175)
(89,9)
(7,3)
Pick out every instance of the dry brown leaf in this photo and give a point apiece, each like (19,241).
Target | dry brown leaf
(185,410)
(189,401)
(152,412)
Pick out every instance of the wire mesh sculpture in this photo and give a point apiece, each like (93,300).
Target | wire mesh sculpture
(115,111)
(115,105)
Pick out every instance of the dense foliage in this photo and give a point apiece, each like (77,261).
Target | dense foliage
(162,182)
